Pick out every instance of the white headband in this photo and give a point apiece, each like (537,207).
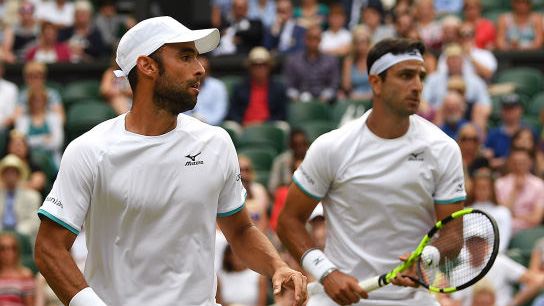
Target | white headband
(389,59)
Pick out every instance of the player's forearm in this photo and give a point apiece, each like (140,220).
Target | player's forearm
(294,235)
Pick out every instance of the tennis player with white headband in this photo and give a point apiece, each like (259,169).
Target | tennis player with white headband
(150,185)
(383,179)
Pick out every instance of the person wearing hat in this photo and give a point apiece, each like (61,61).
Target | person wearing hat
(258,98)
(149,186)
(498,141)
(18,204)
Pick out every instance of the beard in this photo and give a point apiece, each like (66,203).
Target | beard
(171,97)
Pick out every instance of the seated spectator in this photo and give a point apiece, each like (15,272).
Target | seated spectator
(520,29)
(429,29)
(239,285)
(263,10)
(57,12)
(49,50)
(258,98)
(35,75)
(311,13)
(285,36)
(257,200)
(336,39)
(469,143)
(18,204)
(450,29)
(498,142)
(372,17)
(484,29)
(17,286)
(453,114)
(310,74)
(283,166)
(525,139)
(8,92)
(241,34)
(83,38)
(354,10)
(221,9)
(482,196)
(355,83)
(17,146)
(213,100)
(42,128)
(116,90)
(21,36)
(521,192)
(280,194)
(403,21)
(477,96)
(110,24)
(445,7)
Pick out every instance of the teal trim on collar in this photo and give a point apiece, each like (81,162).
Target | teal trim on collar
(232,212)
(42,212)
(450,201)
(305,191)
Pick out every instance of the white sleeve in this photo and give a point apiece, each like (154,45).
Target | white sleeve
(315,175)
(232,196)
(450,187)
(69,199)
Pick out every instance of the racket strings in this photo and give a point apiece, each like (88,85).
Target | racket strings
(461,261)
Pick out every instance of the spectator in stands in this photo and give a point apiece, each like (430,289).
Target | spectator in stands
(57,12)
(242,34)
(263,10)
(485,33)
(477,96)
(110,24)
(450,29)
(525,138)
(239,285)
(499,139)
(285,36)
(310,74)
(18,204)
(469,143)
(280,193)
(311,13)
(48,49)
(477,60)
(521,192)
(258,98)
(8,92)
(336,40)
(17,286)
(429,29)
(35,74)
(18,146)
(83,38)
(354,10)
(452,114)
(445,7)
(520,29)
(284,164)
(372,15)
(483,294)
(257,200)
(355,84)
(213,100)
(19,38)
(482,196)
(116,90)
(42,128)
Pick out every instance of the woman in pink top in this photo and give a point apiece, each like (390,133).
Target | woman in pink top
(48,50)
(16,282)
(521,191)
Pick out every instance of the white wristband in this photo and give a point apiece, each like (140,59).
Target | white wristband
(317,264)
(430,256)
(86,297)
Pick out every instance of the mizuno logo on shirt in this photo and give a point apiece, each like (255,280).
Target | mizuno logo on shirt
(460,187)
(193,161)
(417,156)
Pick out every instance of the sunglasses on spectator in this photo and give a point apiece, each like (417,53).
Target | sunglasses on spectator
(10,247)
(466,34)
(469,138)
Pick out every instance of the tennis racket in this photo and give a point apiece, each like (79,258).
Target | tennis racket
(446,260)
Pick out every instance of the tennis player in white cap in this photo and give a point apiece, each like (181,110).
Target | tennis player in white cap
(149,186)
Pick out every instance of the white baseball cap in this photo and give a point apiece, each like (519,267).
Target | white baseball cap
(151,34)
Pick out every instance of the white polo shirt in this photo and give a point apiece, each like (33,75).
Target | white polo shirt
(379,197)
(149,204)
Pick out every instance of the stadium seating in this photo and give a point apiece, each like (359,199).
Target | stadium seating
(536,105)
(528,81)
(27,258)
(264,134)
(80,90)
(316,128)
(300,112)
(261,157)
(523,242)
(84,115)
(230,81)
(340,107)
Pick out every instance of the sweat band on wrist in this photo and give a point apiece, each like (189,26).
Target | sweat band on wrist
(317,264)
(389,59)
(86,297)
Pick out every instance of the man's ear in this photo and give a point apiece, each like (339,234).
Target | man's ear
(376,83)
(147,66)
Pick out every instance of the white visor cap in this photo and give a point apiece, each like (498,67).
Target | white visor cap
(151,34)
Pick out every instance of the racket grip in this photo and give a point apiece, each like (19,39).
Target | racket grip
(373,283)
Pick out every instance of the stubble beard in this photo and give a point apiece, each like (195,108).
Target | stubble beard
(172,97)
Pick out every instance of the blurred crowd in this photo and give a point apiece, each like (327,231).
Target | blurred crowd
(306,74)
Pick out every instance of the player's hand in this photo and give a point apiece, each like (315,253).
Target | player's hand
(403,279)
(287,277)
(343,289)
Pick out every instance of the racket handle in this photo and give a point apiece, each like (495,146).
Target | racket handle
(373,283)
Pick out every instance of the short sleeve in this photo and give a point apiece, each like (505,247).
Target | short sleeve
(232,196)
(69,199)
(450,187)
(315,175)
